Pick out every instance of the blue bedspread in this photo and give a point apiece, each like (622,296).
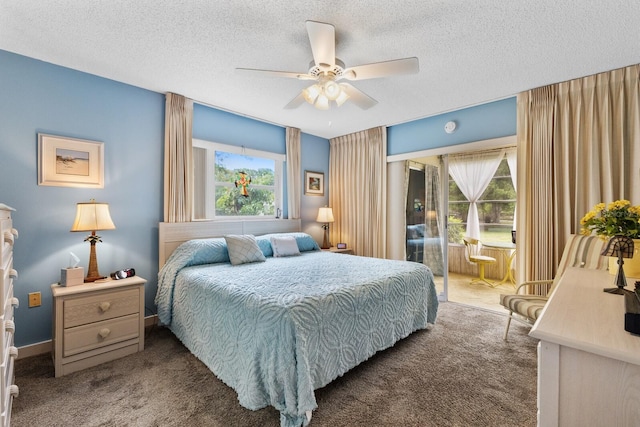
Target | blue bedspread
(275,331)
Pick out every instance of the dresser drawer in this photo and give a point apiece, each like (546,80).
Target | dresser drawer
(6,374)
(7,274)
(6,334)
(88,337)
(10,303)
(7,239)
(103,306)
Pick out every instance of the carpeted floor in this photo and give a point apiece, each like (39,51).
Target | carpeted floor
(458,373)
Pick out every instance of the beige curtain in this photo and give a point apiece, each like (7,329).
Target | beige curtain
(578,145)
(293,172)
(178,159)
(357,182)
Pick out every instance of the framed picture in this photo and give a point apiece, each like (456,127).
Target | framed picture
(313,183)
(70,162)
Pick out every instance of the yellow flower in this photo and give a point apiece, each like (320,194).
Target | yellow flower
(618,218)
(588,217)
(618,204)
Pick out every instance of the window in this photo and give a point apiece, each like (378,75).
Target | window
(496,207)
(232,181)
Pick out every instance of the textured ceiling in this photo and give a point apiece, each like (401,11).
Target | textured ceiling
(470,52)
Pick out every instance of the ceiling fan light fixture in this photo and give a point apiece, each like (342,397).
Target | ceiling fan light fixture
(342,97)
(332,90)
(311,93)
(322,102)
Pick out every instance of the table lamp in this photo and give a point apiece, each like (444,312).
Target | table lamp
(622,247)
(92,217)
(325,215)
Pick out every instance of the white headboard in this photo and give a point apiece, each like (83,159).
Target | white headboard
(172,234)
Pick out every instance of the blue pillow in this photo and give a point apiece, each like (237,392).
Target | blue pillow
(305,242)
(204,251)
(265,245)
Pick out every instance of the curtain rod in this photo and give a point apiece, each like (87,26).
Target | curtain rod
(491,150)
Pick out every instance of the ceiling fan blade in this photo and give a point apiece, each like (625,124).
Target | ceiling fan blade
(382,69)
(323,43)
(358,97)
(271,73)
(295,102)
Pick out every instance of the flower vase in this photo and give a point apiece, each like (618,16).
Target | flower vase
(631,265)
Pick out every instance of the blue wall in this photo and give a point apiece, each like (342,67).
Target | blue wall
(487,121)
(314,157)
(37,97)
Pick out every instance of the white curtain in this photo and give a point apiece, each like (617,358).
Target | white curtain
(293,172)
(358,182)
(178,159)
(473,173)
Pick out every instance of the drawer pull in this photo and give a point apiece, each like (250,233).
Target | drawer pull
(104,332)
(13,352)
(13,273)
(9,326)
(14,232)
(15,302)
(8,237)
(104,306)
(14,391)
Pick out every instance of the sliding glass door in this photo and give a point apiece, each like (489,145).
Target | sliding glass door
(426,213)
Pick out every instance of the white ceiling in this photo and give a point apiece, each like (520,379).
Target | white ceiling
(470,52)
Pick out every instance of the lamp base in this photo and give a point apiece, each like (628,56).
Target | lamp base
(616,291)
(92,273)
(325,241)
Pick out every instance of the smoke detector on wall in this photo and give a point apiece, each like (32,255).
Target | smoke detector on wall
(450,127)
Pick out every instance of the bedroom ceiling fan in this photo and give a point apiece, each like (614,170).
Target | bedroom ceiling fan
(328,72)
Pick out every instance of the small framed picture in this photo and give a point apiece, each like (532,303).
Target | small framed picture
(313,183)
(70,162)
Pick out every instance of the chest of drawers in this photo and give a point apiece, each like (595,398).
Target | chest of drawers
(8,302)
(97,322)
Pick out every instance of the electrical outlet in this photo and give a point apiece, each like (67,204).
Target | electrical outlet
(35,299)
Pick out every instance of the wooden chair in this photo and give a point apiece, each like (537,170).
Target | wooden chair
(580,251)
(473,256)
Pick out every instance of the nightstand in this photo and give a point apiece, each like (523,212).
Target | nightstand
(339,251)
(97,322)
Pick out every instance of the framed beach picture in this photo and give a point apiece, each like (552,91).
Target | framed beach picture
(70,162)
(313,183)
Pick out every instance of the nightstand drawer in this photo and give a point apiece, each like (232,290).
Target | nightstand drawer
(100,307)
(95,335)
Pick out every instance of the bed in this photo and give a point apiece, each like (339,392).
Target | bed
(277,329)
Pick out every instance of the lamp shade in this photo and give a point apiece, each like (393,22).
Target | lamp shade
(325,215)
(92,216)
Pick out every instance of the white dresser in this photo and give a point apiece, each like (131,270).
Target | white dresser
(8,302)
(96,322)
(588,365)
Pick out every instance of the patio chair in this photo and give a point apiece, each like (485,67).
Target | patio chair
(473,256)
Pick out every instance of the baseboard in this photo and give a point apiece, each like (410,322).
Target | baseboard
(34,349)
(46,346)
(151,321)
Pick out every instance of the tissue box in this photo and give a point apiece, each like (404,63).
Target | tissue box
(71,276)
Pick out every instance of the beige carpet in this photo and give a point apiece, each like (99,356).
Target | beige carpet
(458,373)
